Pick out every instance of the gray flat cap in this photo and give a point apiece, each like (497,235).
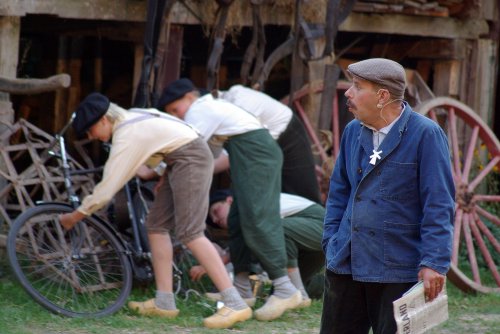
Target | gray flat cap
(384,72)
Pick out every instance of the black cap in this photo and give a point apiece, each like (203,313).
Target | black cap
(89,111)
(219,195)
(174,91)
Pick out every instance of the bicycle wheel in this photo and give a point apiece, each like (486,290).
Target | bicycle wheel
(79,273)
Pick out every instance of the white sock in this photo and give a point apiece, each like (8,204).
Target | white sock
(297,282)
(165,300)
(283,287)
(243,285)
(232,299)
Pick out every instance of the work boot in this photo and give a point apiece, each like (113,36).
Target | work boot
(226,317)
(149,308)
(275,306)
(216,297)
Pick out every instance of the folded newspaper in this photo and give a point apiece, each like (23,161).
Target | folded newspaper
(414,315)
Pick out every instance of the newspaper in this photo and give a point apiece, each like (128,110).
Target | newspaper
(414,316)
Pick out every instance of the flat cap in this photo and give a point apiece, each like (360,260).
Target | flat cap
(385,72)
(174,91)
(89,111)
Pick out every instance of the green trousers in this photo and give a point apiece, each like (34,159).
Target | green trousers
(254,221)
(303,234)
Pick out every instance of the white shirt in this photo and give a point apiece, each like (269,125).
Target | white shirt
(273,114)
(134,144)
(379,135)
(291,204)
(216,117)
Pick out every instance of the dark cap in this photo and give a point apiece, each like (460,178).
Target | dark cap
(384,72)
(219,195)
(89,111)
(174,91)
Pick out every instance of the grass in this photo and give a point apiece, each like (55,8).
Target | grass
(19,314)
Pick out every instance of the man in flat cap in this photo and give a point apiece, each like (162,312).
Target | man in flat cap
(390,207)
(146,136)
(256,159)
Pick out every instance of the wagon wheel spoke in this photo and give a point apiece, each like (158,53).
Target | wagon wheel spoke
(470,249)
(457,227)
(475,160)
(470,154)
(454,142)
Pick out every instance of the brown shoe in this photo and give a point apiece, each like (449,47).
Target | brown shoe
(149,308)
(226,317)
(275,306)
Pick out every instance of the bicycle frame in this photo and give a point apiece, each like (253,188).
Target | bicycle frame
(135,250)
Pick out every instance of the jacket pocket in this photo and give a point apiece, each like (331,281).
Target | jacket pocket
(398,180)
(401,245)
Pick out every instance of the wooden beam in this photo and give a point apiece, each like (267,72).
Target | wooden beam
(122,10)
(423,48)
(427,26)
(133,10)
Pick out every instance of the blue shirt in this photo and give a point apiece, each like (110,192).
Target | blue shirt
(384,222)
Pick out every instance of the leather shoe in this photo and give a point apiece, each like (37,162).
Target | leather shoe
(275,306)
(215,297)
(226,317)
(149,308)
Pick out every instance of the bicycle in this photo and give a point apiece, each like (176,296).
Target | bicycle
(89,270)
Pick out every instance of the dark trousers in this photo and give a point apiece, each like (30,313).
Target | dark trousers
(354,307)
(299,169)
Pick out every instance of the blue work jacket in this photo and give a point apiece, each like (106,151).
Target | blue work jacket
(384,222)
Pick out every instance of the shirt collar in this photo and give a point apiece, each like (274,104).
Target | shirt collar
(385,130)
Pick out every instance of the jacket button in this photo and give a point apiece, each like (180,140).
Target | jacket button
(358,198)
(371,233)
(360,170)
(355,229)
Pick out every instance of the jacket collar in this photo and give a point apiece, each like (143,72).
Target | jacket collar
(390,142)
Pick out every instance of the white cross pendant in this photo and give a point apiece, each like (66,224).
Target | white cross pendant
(375,156)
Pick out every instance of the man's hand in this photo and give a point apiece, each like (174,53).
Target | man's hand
(69,220)
(433,282)
(196,273)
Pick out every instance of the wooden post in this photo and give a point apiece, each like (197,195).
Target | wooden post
(74,69)
(138,57)
(61,95)
(9,53)
(170,69)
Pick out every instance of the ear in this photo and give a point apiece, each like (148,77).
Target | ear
(384,96)
(229,200)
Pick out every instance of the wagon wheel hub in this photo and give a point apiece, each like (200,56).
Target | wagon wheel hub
(465,198)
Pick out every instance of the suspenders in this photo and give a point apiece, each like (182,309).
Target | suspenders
(147,115)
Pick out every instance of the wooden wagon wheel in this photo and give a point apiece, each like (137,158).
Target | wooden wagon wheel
(475,155)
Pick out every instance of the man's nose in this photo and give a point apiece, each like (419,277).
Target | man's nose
(348,92)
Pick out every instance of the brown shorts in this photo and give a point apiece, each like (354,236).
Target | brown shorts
(181,203)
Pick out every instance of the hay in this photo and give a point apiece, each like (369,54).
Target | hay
(240,12)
